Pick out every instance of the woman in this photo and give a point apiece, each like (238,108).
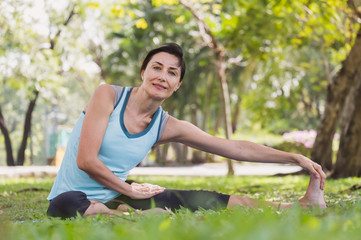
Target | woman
(117,129)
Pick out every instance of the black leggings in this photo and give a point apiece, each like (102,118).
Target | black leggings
(175,199)
(67,204)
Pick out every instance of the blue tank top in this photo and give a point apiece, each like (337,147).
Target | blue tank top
(120,151)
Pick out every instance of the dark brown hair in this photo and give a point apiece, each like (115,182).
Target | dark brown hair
(171,48)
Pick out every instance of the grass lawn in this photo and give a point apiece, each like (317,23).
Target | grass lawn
(23,205)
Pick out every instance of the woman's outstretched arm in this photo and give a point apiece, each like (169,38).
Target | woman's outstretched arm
(190,135)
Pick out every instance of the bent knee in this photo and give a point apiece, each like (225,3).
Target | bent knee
(68,204)
(95,208)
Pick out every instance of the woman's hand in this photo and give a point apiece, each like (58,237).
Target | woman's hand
(314,168)
(144,190)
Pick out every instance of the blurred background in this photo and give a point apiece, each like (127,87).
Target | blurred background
(285,74)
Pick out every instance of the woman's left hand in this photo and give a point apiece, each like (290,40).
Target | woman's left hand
(144,190)
(144,187)
(314,168)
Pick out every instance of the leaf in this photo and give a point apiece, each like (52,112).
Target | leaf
(94,5)
(159,3)
(141,23)
(180,19)
(15,83)
(117,10)
(216,9)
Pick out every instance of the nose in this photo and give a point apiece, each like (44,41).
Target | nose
(162,76)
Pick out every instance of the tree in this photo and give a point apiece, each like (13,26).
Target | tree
(8,145)
(348,162)
(221,66)
(337,91)
(34,84)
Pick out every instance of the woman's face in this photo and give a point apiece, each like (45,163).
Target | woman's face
(161,77)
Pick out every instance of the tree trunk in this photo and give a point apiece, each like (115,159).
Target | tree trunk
(181,152)
(8,147)
(350,104)
(349,155)
(213,44)
(27,128)
(237,109)
(246,79)
(196,155)
(163,160)
(221,70)
(157,152)
(205,108)
(336,95)
(177,148)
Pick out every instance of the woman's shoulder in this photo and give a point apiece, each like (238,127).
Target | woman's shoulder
(103,96)
(106,88)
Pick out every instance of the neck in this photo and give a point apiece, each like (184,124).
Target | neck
(142,103)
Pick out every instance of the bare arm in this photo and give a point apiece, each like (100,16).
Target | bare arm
(94,126)
(190,135)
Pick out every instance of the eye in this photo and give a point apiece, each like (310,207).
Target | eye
(156,67)
(172,73)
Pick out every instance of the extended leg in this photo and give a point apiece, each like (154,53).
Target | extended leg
(313,197)
(254,203)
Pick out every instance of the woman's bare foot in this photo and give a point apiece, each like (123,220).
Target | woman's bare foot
(123,208)
(314,195)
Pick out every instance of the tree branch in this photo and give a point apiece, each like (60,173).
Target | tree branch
(66,22)
(326,65)
(205,32)
(353,6)
(237,61)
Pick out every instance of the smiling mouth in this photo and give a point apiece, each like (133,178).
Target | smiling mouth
(159,86)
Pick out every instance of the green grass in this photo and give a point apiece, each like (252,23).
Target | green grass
(23,213)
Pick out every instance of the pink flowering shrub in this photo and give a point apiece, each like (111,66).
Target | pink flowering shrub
(304,137)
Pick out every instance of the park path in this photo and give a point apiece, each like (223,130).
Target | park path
(207,169)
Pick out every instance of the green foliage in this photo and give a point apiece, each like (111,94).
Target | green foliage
(290,39)
(294,147)
(278,82)
(23,213)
